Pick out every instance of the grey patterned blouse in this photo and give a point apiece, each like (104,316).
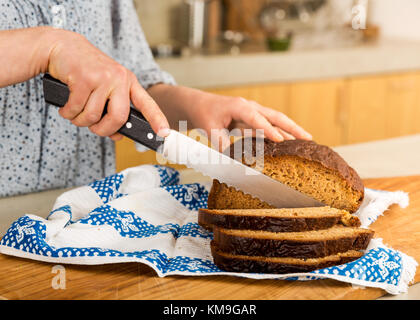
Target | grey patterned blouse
(39,150)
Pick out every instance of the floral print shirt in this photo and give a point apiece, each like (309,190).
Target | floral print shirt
(39,150)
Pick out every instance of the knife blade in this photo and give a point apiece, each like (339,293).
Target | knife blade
(181,149)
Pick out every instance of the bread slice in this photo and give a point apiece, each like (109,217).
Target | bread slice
(306,166)
(259,264)
(277,220)
(307,244)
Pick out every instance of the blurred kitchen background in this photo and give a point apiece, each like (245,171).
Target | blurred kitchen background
(348,71)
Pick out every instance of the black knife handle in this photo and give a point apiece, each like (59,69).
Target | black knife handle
(136,128)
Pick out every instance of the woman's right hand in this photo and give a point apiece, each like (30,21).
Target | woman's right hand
(93,78)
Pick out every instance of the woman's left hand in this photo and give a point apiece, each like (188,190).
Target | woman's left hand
(213,113)
(222,112)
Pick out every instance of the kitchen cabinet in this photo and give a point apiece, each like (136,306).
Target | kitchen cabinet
(128,156)
(383,107)
(348,110)
(319,108)
(270,95)
(335,111)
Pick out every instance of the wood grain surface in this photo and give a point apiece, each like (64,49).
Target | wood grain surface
(26,279)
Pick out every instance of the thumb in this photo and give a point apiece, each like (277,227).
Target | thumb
(149,108)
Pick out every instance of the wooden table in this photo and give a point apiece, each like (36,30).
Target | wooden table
(26,279)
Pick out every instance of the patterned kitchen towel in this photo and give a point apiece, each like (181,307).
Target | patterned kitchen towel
(145,214)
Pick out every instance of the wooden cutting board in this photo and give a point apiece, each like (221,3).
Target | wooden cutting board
(26,279)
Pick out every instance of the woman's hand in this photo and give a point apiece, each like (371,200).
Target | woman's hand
(222,112)
(215,112)
(93,78)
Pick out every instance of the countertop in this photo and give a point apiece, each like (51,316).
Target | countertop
(219,70)
(385,158)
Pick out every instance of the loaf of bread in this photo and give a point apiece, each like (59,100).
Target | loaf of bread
(277,220)
(306,166)
(252,236)
(260,264)
(304,245)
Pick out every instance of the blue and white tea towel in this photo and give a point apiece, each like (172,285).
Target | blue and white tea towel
(145,214)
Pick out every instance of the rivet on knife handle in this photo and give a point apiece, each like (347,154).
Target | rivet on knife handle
(136,128)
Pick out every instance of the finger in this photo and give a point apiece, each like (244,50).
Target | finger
(252,117)
(240,129)
(286,135)
(117,113)
(79,95)
(116,136)
(284,122)
(237,124)
(93,111)
(149,108)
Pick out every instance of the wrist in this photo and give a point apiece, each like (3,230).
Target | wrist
(173,101)
(48,37)
(52,41)
(157,90)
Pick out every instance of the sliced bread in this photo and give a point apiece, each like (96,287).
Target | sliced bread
(307,244)
(258,264)
(277,220)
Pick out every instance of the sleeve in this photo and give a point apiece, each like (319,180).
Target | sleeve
(131,47)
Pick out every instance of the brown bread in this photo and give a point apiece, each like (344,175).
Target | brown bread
(306,166)
(276,220)
(307,244)
(259,264)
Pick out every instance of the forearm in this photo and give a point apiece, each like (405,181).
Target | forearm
(177,102)
(25,53)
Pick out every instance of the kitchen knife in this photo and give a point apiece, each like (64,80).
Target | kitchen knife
(181,149)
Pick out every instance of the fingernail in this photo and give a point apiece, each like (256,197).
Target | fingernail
(163,132)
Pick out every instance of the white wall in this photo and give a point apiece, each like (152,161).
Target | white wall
(397,18)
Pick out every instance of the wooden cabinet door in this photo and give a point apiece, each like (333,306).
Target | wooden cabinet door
(383,107)
(319,107)
(269,95)
(127,155)
(367,114)
(403,105)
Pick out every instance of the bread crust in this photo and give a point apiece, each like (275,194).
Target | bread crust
(207,219)
(251,246)
(308,150)
(242,264)
(218,189)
